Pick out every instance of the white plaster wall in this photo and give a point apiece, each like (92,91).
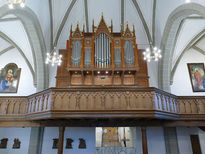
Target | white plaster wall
(52,75)
(16,32)
(49,134)
(181,82)
(23,134)
(153,73)
(164,9)
(155,140)
(202,140)
(184,141)
(26,86)
(189,30)
(87,133)
(138,143)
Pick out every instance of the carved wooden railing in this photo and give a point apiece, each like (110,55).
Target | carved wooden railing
(102,102)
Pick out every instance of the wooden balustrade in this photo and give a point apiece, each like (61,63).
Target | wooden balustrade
(102,102)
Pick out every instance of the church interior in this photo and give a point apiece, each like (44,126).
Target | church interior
(102,76)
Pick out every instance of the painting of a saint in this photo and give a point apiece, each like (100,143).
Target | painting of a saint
(197,76)
(9,78)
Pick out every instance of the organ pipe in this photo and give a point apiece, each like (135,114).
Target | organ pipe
(102,51)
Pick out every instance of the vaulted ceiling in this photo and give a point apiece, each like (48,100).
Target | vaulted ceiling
(51,21)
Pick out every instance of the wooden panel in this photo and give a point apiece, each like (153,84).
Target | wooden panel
(195,144)
(110,137)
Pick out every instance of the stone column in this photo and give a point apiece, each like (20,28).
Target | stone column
(36,140)
(171,142)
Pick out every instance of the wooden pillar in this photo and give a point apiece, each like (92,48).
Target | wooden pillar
(136,56)
(144,140)
(82,54)
(122,77)
(60,140)
(112,77)
(69,53)
(112,54)
(69,78)
(93,54)
(93,82)
(122,54)
(135,78)
(83,77)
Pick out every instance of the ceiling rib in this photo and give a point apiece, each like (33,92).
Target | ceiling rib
(122,13)
(191,44)
(153,21)
(199,49)
(6,49)
(63,22)
(86,14)
(143,21)
(6,38)
(51,23)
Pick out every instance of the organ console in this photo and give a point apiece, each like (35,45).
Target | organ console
(102,58)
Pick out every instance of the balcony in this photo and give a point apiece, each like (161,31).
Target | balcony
(102,103)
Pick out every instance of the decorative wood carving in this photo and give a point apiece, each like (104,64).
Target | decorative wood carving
(101,101)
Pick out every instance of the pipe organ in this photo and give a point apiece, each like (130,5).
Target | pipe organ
(102,58)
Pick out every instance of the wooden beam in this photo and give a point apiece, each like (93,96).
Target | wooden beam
(60,140)
(144,140)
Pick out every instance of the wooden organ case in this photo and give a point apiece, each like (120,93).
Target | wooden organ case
(102,58)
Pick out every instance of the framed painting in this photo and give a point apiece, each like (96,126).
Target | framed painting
(9,78)
(197,76)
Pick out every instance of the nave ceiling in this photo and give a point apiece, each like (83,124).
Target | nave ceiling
(52,19)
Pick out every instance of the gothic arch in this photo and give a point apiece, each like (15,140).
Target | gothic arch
(168,40)
(34,32)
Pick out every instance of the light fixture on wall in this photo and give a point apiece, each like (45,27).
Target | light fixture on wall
(152,53)
(53,58)
(13,2)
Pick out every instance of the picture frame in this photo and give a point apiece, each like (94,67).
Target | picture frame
(9,78)
(197,76)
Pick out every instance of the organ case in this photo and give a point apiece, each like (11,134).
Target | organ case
(102,58)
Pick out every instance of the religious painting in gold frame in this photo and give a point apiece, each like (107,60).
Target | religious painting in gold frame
(197,76)
(9,78)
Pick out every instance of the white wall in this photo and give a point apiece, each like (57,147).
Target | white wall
(155,139)
(70,132)
(26,86)
(49,134)
(184,141)
(181,81)
(153,73)
(88,134)
(23,134)
(202,140)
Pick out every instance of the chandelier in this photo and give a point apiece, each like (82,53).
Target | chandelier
(53,58)
(13,2)
(152,54)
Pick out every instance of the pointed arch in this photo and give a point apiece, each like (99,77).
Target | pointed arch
(168,40)
(35,35)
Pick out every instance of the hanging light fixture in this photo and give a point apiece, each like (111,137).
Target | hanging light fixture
(53,58)
(152,53)
(13,2)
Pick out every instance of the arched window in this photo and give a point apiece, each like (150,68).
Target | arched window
(102,51)
(129,53)
(76,53)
